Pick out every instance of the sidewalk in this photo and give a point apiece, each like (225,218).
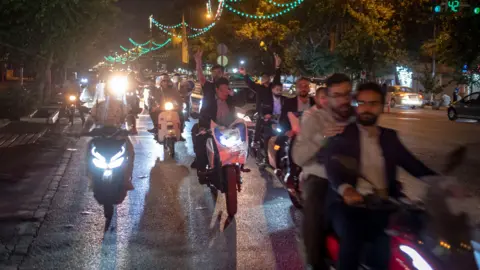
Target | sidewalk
(30,176)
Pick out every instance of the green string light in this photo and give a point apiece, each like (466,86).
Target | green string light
(262,17)
(271,2)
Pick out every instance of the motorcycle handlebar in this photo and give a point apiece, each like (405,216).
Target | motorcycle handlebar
(376,203)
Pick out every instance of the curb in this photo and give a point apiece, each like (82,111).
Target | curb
(28,231)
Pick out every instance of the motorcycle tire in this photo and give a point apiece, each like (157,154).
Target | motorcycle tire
(170,145)
(108,211)
(231,175)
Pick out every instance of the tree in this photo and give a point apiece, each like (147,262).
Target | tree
(53,31)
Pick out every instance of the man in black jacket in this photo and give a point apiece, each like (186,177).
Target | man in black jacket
(375,152)
(268,103)
(300,103)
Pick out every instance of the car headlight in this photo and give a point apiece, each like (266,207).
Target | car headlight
(417,260)
(118,84)
(72,98)
(168,106)
(100,162)
(240,115)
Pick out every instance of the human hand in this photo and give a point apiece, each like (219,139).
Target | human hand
(278,60)
(198,56)
(351,196)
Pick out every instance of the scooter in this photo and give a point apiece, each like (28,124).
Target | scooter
(412,245)
(169,127)
(278,161)
(71,107)
(227,152)
(107,164)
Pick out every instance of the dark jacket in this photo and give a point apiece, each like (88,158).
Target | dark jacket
(290,105)
(264,93)
(348,144)
(208,112)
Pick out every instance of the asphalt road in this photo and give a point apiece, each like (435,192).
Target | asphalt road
(171,222)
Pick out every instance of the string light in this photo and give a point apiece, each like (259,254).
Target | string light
(262,17)
(269,1)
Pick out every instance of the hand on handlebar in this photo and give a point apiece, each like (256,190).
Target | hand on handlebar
(351,196)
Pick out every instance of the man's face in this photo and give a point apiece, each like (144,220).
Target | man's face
(303,88)
(217,73)
(164,83)
(339,98)
(223,92)
(265,79)
(369,108)
(321,99)
(277,90)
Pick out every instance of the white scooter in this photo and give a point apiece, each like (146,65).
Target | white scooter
(227,152)
(169,126)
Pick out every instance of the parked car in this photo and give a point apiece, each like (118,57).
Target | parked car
(404,96)
(467,107)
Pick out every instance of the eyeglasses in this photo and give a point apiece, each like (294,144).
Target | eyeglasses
(369,103)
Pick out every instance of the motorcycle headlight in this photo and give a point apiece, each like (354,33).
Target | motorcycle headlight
(84,80)
(72,98)
(417,260)
(100,162)
(118,84)
(231,138)
(168,106)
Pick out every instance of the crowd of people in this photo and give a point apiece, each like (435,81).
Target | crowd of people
(329,127)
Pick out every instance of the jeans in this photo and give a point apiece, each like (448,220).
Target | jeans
(356,227)
(199,147)
(314,193)
(258,130)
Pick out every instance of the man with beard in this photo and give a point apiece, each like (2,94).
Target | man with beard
(319,123)
(300,103)
(377,152)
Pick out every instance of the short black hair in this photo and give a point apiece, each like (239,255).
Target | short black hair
(337,78)
(274,83)
(371,86)
(218,67)
(302,79)
(321,89)
(221,81)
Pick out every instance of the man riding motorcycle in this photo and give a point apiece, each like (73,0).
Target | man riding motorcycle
(112,112)
(318,123)
(72,88)
(377,152)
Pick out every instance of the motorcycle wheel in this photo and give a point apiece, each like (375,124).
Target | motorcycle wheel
(108,211)
(231,175)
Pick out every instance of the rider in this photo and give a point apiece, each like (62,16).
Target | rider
(219,106)
(112,112)
(319,122)
(186,89)
(378,152)
(300,103)
(267,101)
(72,87)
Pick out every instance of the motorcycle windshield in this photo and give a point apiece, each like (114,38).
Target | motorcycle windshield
(448,232)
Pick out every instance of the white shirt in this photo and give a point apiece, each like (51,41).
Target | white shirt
(277,105)
(372,165)
(303,106)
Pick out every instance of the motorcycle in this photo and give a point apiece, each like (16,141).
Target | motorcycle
(71,107)
(415,244)
(227,151)
(169,126)
(107,164)
(276,159)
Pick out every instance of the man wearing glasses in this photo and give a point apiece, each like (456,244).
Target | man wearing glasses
(317,125)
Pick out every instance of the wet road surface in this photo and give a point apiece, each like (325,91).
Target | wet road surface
(171,222)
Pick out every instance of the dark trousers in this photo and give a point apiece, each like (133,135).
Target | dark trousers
(258,130)
(357,227)
(314,193)
(199,147)
(154,117)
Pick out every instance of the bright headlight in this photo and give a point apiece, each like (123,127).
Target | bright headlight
(168,106)
(231,138)
(72,98)
(417,260)
(100,162)
(84,80)
(118,84)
